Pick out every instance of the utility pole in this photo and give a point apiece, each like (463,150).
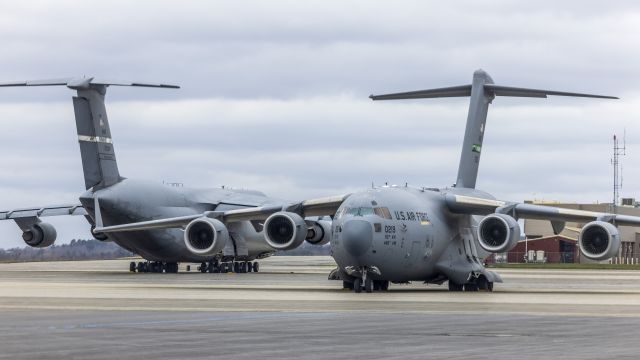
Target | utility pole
(617,177)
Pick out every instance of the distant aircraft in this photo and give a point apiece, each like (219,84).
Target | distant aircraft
(213,230)
(400,234)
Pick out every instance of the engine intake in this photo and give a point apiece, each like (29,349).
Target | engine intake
(498,233)
(599,240)
(319,232)
(285,230)
(40,235)
(205,236)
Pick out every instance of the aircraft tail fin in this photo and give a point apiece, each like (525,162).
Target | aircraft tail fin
(94,135)
(481,91)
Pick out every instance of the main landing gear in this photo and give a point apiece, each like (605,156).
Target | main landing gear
(154,267)
(238,267)
(481,284)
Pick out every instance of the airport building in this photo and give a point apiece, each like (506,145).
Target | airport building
(542,245)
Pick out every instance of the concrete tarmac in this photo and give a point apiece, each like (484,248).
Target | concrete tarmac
(98,310)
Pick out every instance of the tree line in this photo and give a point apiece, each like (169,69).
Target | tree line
(104,250)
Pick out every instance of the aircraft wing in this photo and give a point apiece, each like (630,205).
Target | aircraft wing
(312,207)
(480,206)
(56,210)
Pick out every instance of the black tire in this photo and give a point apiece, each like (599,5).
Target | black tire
(256,267)
(245,267)
(455,287)
(357,285)
(368,285)
(483,284)
(490,286)
(203,268)
(470,287)
(132,266)
(385,285)
(347,285)
(188,267)
(249,266)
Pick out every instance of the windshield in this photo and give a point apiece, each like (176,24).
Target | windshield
(382,212)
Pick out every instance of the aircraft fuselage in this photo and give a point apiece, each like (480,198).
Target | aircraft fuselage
(135,201)
(405,234)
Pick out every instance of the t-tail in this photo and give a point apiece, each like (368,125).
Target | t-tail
(481,91)
(96,147)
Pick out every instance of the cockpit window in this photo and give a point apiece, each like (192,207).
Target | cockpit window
(382,212)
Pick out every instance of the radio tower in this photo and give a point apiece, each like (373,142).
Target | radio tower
(617,177)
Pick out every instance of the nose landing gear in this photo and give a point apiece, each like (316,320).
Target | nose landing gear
(363,281)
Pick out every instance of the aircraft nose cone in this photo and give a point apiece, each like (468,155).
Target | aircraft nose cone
(357,236)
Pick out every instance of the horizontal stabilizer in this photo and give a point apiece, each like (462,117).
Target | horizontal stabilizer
(85,83)
(489,89)
(454,91)
(498,90)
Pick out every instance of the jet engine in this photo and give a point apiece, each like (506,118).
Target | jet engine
(599,240)
(205,236)
(40,235)
(319,232)
(498,233)
(285,230)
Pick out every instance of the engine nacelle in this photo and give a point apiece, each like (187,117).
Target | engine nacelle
(285,230)
(205,236)
(319,232)
(498,233)
(40,235)
(599,240)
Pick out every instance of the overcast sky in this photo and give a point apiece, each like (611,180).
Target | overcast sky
(274,96)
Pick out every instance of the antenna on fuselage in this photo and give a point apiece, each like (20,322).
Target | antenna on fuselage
(481,91)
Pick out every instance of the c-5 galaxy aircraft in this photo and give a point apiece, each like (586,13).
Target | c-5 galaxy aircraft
(400,234)
(111,199)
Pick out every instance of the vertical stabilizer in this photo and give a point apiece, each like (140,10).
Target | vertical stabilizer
(96,147)
(482,91)
(474,132)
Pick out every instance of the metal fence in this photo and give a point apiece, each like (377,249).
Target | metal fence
(542,257)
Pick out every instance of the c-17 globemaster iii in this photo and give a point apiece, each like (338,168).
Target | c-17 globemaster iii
(112,199)
(400,234)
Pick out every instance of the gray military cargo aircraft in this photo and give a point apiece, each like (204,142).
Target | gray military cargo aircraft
(111,199)
(401,234)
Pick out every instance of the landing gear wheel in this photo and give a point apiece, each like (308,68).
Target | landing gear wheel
(380,285)
(256,267)
(244,268)
(132,266)
(347,285)
(357,285)
(249,266)
(484,284)
(470,287)
(171,268)
(455,287)
(203,268)
(367,285)
(141,267)
(385,285)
